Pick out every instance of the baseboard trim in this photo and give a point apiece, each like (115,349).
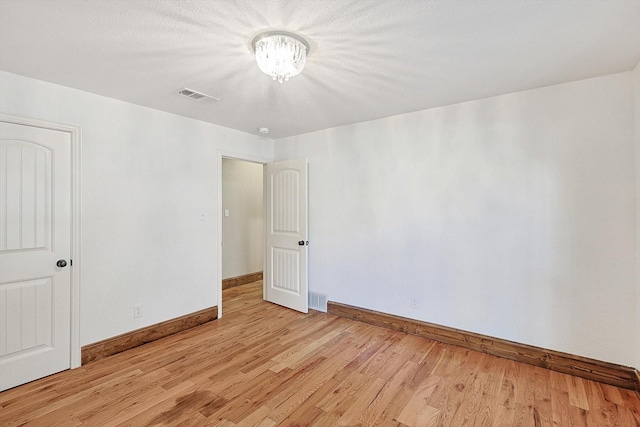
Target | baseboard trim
(110,346)
(591,369)
(241,280)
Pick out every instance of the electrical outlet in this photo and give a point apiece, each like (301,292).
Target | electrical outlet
(413,303)
(137,311)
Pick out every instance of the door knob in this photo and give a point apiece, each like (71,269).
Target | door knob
(61,263)
(301,243)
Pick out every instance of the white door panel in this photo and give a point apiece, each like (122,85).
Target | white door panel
(35,232)
(286,227)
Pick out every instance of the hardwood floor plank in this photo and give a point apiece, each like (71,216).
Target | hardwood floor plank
(417,411)
(560,414)
(297,394)
(164,411)
(632,404)
(604,412)
(472,404)
(307,415)
(402,392)
(525,384)
(184,410)
(472,386)
(124,403)
(448,367)
(462,402)
(492,373)
(450,407)
(580,417)
(524,416)
(542,397)
(223,423)
(45,410)
(299,385)
(611,394)
(263,365)
(297,353)
(577,393)
(558,380)
(257,417)
(65,422)
(364,398)
(391,388)
(319,390)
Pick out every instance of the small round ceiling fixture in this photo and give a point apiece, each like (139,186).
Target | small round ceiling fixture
(263,130)
(280,54)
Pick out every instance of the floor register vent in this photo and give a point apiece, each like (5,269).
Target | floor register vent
(318,301)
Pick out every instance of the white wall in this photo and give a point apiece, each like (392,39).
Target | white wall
(511,216)
(147,176)
(636,79)
(242,230)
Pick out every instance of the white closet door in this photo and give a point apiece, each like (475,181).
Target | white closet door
(35,249)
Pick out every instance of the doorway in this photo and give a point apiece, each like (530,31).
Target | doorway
(240,221)
(285,210)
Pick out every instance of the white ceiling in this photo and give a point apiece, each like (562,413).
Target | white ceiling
(372,58)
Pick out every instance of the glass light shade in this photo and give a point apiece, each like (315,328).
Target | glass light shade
(280,55)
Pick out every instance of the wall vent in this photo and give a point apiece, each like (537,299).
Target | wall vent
(198,96)
(318,301)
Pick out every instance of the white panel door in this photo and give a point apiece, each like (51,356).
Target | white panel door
(285,278)
(35,233)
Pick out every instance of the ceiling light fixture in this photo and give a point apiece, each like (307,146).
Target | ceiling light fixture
(280,54)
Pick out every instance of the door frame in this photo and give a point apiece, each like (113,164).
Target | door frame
(75,133)
(235,156)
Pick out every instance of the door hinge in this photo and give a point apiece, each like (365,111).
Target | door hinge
(71,263)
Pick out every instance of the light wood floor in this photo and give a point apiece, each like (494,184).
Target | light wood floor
(263,365)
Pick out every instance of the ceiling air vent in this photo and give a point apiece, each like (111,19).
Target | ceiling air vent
(198,96)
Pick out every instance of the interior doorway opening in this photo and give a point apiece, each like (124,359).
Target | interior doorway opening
(240,222)
(284,227)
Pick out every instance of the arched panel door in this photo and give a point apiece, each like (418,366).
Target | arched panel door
(35,249)
(286,239)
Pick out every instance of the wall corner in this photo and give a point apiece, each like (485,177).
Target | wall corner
(636,142)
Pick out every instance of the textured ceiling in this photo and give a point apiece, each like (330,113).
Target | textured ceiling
(371,58)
